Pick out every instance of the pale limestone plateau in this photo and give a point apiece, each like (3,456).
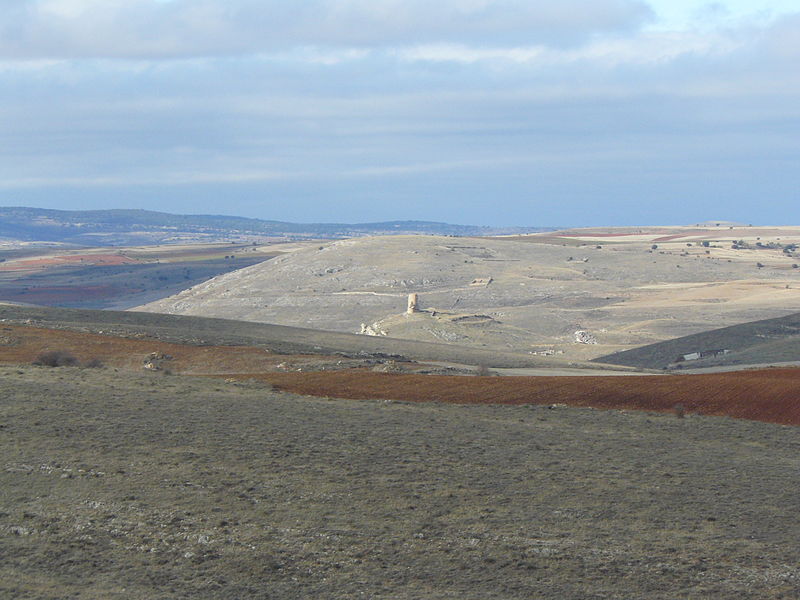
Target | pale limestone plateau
(541,293)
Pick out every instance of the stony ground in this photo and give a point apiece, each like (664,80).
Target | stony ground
(527,294)
(120,485)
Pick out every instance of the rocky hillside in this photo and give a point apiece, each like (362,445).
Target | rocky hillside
(497,293)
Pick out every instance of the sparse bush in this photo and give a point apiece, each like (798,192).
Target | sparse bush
(760,265)
(56,358)
(679,411)
(94,363)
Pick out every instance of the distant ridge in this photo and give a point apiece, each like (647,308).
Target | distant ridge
(723,223)
(123,226)
(767,341)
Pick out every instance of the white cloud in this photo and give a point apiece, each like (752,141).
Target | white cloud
(643,49)
(152,29)
(381,99)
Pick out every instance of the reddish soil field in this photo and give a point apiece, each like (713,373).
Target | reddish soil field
(677,236)
(22,344)
(770,395)
(76,259)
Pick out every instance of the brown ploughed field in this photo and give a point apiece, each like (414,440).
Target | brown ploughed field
(770,395)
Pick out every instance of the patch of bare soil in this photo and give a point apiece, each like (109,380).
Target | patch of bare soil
(67,259)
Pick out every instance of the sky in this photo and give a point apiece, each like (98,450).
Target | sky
(493,112)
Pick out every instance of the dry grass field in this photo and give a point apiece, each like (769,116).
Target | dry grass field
(140,485)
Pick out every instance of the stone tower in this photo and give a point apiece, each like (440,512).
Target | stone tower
(413,304)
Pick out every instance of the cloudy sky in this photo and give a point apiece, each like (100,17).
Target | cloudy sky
(498,112)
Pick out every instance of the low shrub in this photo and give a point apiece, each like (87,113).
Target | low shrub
(56,358)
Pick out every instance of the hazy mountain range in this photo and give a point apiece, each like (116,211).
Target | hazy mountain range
(120,227)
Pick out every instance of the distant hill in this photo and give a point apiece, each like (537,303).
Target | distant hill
(123,227)
(757,342)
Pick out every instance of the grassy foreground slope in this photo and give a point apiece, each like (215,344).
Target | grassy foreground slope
(139,486)
(758,342)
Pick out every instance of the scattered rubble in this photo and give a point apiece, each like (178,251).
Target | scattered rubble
(481,281)
(373,330)
(584,337)
(548,352)
(155,361)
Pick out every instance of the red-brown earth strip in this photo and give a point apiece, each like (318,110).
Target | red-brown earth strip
(22,344)
(770,395)
(75,259)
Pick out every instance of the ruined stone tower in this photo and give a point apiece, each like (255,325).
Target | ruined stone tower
(413,304)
